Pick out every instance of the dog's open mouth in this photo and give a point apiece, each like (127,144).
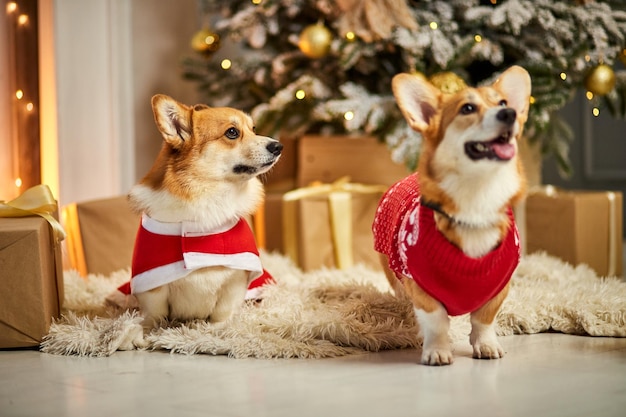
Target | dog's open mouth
(499,149)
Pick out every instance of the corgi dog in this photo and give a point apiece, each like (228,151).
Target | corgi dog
(446,234)
(195,254)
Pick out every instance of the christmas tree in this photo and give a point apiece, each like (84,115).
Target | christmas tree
(326,66)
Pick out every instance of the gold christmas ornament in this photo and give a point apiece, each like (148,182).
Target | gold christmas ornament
(315,41)
(600,80)
(448,82)
(205,41)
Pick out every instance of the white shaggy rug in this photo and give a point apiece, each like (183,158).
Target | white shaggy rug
(330,312)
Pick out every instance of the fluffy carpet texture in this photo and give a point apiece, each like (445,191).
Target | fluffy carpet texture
(329,312)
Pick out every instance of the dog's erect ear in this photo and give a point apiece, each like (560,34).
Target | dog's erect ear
(172,119)
(417,98)
(515,84)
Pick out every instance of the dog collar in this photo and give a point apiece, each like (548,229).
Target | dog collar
(436,207)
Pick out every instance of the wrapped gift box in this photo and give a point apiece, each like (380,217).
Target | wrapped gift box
(31,276)
(100,235)
(577,226)
(330,225)
(363,159)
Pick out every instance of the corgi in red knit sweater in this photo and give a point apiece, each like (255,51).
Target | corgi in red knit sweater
(447,234)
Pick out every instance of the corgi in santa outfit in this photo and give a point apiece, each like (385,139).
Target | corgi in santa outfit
(447,234)
(195,256)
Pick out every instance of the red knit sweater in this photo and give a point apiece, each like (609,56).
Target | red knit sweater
(166,252)
(405,231)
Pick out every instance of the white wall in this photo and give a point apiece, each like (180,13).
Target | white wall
(111,57)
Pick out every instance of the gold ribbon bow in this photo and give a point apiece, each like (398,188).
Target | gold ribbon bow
(36,201)
(339,195)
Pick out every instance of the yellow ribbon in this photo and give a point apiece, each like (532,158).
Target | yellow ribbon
(339,195)
(36,201)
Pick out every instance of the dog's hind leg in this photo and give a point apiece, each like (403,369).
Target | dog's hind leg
(483,336)
(394,282)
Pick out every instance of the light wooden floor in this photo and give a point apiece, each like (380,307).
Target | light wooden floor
(541,375)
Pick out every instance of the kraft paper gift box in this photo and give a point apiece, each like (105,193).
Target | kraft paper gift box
(330,225)
(31,275)
(576,226)
(364,160)
(101,235)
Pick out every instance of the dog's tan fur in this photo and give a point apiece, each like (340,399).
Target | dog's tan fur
(474,192)
(198,177)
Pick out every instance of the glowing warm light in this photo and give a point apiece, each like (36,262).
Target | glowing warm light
(589,95)
(433,25)
(494,1)
(348,115)
(18,182)
(300,94)
(478,38)
(587,58)
(23,19)
(11,7)
(563,76)
(29,107)
(532,100)
(595,111)
(19,94)
(209,40)
(257,1)
(350,36)
(226,64)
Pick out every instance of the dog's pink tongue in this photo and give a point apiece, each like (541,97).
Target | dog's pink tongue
(504,151)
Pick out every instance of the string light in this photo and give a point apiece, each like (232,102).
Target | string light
(350,36)
(18,182)
(11,7)
(19,94)
(563,76)
(226,64)
(22,19)
(595,111)
(478,38)
(348,115)
(300,94)
(29,107)
(589,95)
(532,100)
(257,1)
(433,25)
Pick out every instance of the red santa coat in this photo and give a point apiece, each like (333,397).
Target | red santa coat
(405,231)
(166,252)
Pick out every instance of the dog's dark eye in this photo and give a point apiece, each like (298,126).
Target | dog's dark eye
(502,103)
(232,133)
(468,108)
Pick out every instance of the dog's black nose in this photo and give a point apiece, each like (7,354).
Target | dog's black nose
(274,147)
(506,116)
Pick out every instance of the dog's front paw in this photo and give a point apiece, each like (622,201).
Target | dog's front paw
(488,350)
(485,342)
(437,357)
